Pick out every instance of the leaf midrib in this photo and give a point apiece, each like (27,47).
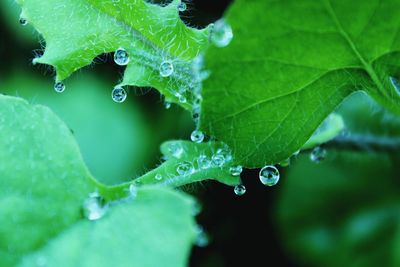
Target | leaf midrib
(368,67)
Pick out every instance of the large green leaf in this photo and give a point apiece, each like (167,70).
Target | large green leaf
(290,64)
(77,31)
(44,185)
(154,229)
(43,180)
(344,211)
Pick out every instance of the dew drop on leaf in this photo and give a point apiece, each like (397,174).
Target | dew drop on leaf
(158,177)
(166,68)
(23,21)
(202,239)
(118,94)
(94,207)
(181,97)
(221,33)
(133,190)
(176,150)
(236,170)
(269,175)
(218,160)
(182,7)
(240,190)
(197,136)
(203,162)
(318,154)
(121,57)
(59,87)
(185,168)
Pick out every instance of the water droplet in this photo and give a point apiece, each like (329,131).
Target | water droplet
(202,239)
(59,87)
(236,170)
(23,21)
(218,160)
(176,150)
(185,168)
(181,97)
(197,136)
(318,154)
(158,177)
(133,190)
(285,163)
(167,105)
(226,153)
(204,162)
(182,7)
(166,68)
(121,57)
(221,33)
(118,94)
(94,207)
(396,84)
(269,175)
(240,190)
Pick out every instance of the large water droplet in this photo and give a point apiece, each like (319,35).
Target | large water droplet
(269,175)
(121,57)
(396,84)
(94,207)
(197,136)
(202,239)
(185,168)
(318,154)
(166,68)
(221,33)
(236,170)
(176,150)
(59,87)
(118,94)
(23,21)
(240,190)
(182,7)
(203,162)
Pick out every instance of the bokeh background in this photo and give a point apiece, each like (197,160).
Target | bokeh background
(343,211)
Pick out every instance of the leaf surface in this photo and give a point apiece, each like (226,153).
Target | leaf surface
(290,64)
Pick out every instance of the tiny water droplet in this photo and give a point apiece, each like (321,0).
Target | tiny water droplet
(221,33)
(236,170)
(396,84)
(225,152)
(158,177)
(182,7)
(166,68)
(218,160)
(167,105)
(285,163)
(118,94)
(203,162)
(94,207)
(121,57)
(133,190)
(197,136)
(185,168)
(318,154)
(240,190)
(202,239)
(176,150)
(59,87)
(181,97)
(269,175)
(23,21)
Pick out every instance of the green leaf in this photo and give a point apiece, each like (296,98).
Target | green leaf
(290,64)
(154,229)
(349,203)
(77,31)
(43,180)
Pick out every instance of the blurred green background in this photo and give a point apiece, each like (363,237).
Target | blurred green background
(344,211)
